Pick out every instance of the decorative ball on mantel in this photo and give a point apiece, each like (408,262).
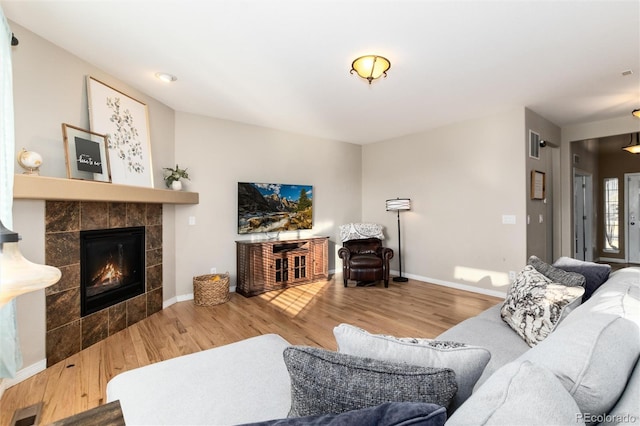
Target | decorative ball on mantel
(30,161)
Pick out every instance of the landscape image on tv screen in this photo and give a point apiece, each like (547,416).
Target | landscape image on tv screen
(274,207)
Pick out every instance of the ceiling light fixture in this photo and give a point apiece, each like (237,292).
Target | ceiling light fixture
(636,113)
(370,67)
(633,148)
(166,77)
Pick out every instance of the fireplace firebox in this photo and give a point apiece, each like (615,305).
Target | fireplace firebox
(112,267)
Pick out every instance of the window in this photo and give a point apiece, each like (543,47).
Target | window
(611,216)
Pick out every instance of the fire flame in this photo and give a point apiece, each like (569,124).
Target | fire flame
(108,275)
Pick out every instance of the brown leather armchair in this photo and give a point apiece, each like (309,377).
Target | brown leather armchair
(365,260)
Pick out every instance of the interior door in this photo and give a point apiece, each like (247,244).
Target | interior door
(632,208)
(582,215)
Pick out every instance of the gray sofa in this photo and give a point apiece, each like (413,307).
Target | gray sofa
(584,372)
(593,353)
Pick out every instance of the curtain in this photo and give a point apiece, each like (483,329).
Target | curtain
(10,356)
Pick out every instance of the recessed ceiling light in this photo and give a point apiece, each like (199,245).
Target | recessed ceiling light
(166,77)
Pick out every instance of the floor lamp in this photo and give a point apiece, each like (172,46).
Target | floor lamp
(397,205)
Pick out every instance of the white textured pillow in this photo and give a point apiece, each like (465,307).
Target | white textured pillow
(534,305)
(468,362)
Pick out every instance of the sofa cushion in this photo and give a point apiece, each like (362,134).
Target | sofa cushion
(326,382)
(619,295)
(223,385)
(365,261)
(592,358)
(627,407)
(387,414)
(468,362)
(534,305)
(520,393)
(557,275)
(595,274)
(489,331)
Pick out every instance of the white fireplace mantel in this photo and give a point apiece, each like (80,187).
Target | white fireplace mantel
(30,187)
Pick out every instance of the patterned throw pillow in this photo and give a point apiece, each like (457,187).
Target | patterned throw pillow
(326,382)
(534,305)
(557,275)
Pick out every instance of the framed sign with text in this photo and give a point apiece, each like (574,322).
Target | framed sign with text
(85,154)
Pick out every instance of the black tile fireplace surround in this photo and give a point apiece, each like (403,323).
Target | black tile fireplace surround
(68,331)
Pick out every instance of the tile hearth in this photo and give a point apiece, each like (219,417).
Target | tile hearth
(67,332)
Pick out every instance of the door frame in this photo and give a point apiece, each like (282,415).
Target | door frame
(627,228)
(588,213)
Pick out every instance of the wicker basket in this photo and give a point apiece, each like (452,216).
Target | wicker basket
(209,290)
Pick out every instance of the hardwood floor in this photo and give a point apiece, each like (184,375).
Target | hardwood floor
(304,315)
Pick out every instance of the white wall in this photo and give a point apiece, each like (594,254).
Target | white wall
(461,180)
(220,153)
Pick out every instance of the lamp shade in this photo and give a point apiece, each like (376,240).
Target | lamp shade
(633,148)
(17,274)
(636,113)
(371,67)
(399,204)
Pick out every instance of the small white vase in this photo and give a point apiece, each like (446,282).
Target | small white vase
(176,185)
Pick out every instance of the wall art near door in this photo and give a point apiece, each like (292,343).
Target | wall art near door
(274,207)
(125,122)
(538,185)
(85,154)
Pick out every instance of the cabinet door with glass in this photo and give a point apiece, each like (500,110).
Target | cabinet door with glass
(297,266)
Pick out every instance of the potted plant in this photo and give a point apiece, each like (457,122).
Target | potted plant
(172,177)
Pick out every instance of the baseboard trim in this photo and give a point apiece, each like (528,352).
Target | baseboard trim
(457,286)
(167,303)
(611,260)
(22,374)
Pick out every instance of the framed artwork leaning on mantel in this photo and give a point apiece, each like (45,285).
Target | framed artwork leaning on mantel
(125,122)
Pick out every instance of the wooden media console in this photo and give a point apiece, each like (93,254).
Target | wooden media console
(267,265)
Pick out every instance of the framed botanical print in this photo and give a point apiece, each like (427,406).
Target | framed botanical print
(85,154)
(125,122)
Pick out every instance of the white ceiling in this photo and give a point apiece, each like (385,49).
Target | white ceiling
(285,64)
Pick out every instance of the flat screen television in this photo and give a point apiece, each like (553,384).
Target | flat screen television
(274,207)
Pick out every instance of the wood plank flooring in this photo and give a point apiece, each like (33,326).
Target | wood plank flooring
(304,315)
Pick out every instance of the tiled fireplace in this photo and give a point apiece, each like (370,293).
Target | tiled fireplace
(68,332)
